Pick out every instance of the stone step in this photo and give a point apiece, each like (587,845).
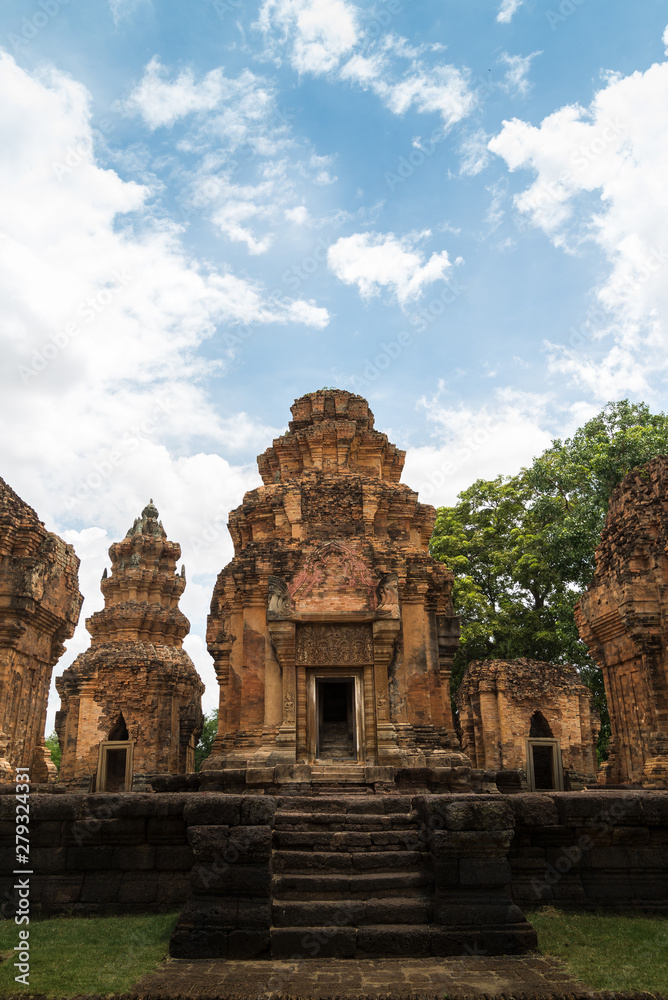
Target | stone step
(351,912)
(344,861)
(336,775)
(370,941)
(345,820)
(351,885)
(351,840)
(383,804)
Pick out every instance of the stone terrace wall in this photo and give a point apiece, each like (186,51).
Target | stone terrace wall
(100,854)
(590,849)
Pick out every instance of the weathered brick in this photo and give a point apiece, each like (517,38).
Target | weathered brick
(40,610)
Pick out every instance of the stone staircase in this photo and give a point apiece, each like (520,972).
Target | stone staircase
(351,878)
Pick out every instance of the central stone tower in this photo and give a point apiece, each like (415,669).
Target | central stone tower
(332,629)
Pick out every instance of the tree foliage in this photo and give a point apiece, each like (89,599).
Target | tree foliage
(53,746)
(522,547)
(209,731)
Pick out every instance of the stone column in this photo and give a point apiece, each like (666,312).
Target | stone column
(385,632)
(448,642)
(489,718)
(283,637)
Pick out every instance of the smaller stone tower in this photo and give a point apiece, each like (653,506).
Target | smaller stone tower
(131,704)
(528,716)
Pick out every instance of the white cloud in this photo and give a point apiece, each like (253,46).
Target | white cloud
(326,37)
(161,102)
(474,153)
(507,10)
(498,438)
(373,261)
(516,78)
(442,89)
(319,32)
(297,215)
(600,178)
(250,168)
(226,111)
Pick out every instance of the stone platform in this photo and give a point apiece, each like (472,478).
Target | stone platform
(331,778)
(365,876)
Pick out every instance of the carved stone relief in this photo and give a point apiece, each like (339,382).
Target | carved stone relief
(333,644)
(387,596)
(279,604)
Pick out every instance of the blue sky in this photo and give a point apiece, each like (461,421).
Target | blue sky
(457,209)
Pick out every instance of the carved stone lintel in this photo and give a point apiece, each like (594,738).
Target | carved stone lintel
(329,645)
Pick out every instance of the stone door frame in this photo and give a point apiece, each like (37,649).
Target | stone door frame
(379,732)
(102,763)
(342,673)
(557,764)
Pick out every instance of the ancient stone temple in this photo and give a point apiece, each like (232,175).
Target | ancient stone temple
(332,629)
(131,704)
(530,717)
(39,609)
(623,618)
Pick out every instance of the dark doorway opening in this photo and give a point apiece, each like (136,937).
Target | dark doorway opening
(543,757)
(336,720)
(116,761)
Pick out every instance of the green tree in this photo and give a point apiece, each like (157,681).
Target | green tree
(522,547)
(209,731)
(53,746)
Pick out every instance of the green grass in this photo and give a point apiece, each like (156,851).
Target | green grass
(70,956)
(73,956)
(607,951)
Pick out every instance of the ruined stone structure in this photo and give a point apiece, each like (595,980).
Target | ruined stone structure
(131,704)
(332,629)
(533,717)
(623,618)
(39,609)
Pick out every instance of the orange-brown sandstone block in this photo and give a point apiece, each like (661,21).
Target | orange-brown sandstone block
(39,609)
